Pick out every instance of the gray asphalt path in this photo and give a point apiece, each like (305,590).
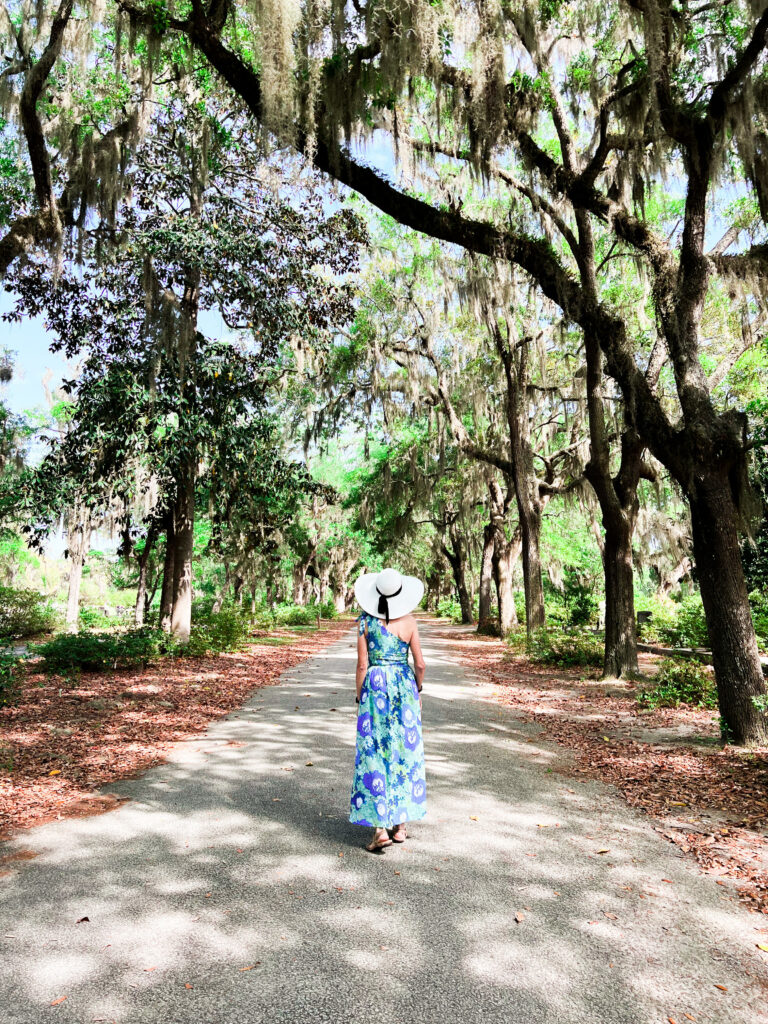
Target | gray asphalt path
(522,897)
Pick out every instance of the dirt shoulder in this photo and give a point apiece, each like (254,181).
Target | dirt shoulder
(708,799)
(61,742)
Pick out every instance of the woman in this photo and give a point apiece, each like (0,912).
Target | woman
(389,787)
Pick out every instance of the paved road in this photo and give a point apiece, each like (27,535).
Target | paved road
(238,855)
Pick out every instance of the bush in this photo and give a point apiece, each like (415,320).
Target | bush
(677,624)
(92,618)
(24,613)
(580,602)
(328,610)
(227,630)
(92,652)
(296,615)
(10,677)
(759,605)
(449,608)
(553,646)
(680,682)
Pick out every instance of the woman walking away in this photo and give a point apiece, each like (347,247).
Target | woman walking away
(389,787)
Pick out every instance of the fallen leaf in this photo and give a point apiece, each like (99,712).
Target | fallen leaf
(671,1020)
(519,917)
(762,945)
(187,985)
(82,919)
(473,817)
(56,771)
(667,880)
(689,1016)
(607,739)
(609,914)
(722,988)
(148,970)
(603,851)
(308,764)
(59,1000)
(250,966)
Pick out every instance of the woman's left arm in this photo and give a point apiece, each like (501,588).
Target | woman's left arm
(419,665)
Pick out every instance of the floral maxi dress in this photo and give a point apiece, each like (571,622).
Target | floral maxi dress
(389,785)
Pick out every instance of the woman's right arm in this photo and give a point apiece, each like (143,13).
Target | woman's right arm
(362,659)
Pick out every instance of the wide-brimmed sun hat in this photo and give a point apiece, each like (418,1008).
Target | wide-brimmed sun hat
(388,594)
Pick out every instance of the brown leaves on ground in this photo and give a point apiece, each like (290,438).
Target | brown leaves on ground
(60,743)
(712,802)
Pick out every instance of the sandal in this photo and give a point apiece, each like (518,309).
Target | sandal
(377,845)
(398,834)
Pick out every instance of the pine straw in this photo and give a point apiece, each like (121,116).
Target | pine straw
(60,743)
(711,801)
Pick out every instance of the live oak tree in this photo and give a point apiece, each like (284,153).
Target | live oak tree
(629,89)
(573,114)
(157,400)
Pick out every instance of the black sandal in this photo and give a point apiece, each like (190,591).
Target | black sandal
(394,832)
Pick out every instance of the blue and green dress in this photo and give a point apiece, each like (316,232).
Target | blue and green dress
(389,785)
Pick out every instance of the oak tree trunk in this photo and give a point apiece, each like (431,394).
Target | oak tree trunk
(78,543)
(620,629)
(181,616)
(735,656)
(486,579)
(166,593)
(141,590)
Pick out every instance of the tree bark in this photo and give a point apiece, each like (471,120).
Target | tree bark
(456,555)
(620,628)
(735,656)
(166,593)
(184,525)
(486,579)
(78,543)
(141,590)
(527,491)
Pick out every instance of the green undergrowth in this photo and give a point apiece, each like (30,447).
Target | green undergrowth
(680,682)
(551,645)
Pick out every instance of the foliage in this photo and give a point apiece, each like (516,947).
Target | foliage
(558,646)
(10,677)
(92,652)
(758,601)
(227,630)
(94,618)
(24,613)
(676,624)
(680,682)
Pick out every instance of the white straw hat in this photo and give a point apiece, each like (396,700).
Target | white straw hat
(388,594)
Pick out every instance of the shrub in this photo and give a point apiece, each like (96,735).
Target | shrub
(677,624)
(759,605)
(92,618)
(328,610)
(449,608)
(24,613)
(227,630)
(92,652)
(553,646)
(296,615)
(580,601)
(680,682)
(10,677)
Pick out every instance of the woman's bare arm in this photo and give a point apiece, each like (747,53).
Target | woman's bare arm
(362,662)
(419,665)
